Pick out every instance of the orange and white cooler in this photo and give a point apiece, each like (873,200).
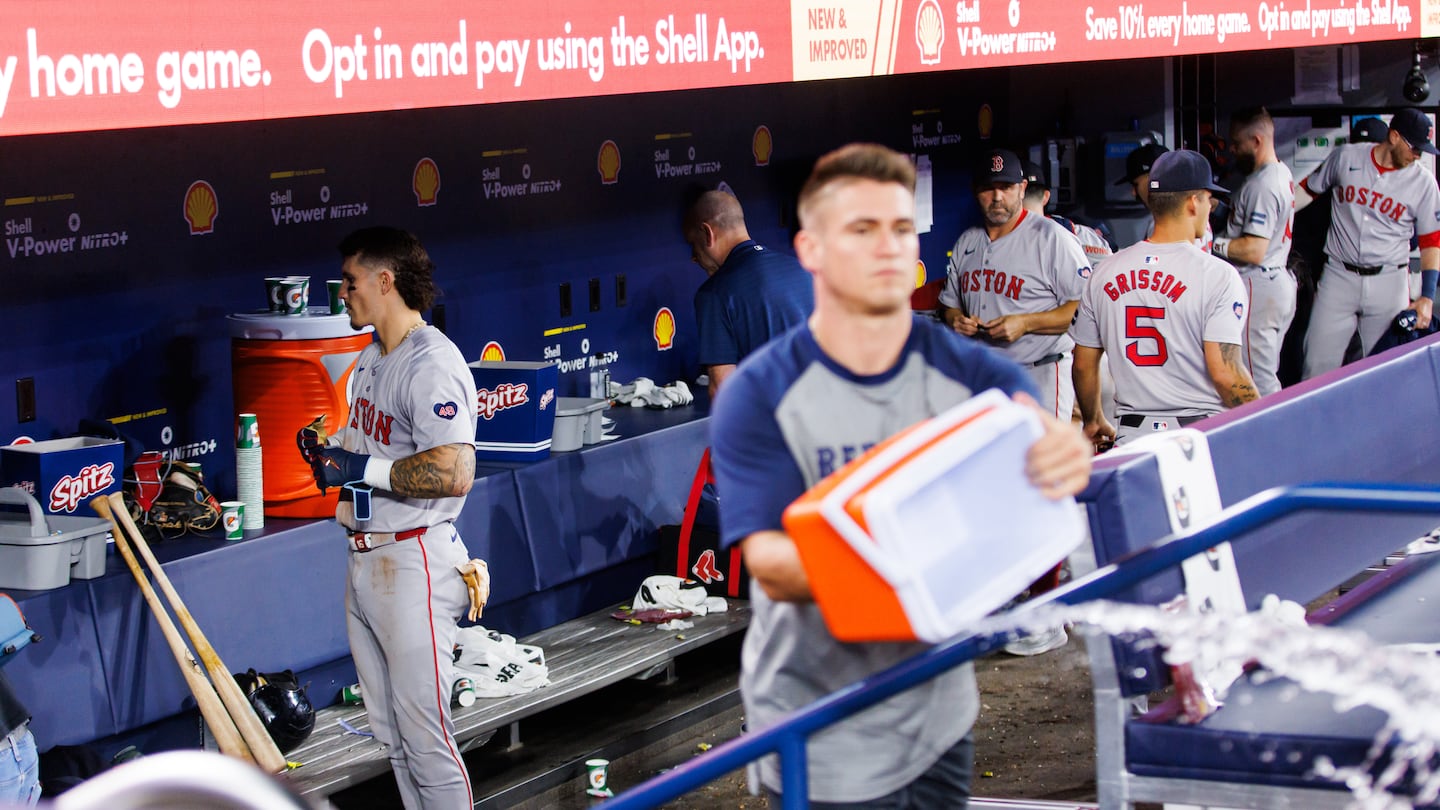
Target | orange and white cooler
(929,531)
(287,370)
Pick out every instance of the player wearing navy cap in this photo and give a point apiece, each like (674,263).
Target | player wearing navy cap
(1014,281)
(1170,316)
(860,370)
(1381,196)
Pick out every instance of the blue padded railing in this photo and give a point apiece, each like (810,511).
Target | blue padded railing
(788,738)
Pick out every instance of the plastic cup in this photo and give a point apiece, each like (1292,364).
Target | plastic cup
(351,696)
(597,778)
(294,295)
(248,434)
(337,306)
(232,517)
(463,693)
(272,293)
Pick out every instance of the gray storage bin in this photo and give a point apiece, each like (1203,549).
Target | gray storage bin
(39,551)
(577,422)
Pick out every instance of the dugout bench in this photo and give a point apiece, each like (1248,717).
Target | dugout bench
(1368,422)
(583,655)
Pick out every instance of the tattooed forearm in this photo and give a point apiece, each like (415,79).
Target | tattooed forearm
(1238,388)
(441,472)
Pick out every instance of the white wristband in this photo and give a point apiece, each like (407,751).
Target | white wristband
(1221,247)
(377,472)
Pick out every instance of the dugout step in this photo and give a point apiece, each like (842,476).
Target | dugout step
(584,655)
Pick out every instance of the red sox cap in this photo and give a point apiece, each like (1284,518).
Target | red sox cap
(998,167)
(1368,130)
(1182,170)
(1033,174)
(1415,127)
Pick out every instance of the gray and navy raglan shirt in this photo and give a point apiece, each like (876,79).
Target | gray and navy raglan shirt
(788,417)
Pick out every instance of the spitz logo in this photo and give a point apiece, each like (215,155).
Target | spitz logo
(70,491)
(547,397)
(506,395)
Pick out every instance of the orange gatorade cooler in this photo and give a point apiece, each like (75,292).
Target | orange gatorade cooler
(287,370)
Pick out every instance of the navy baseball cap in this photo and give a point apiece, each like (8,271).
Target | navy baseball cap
(998,166)
(1139,160)
(1182,170)
(1369,130)
(1033,174)
(1415,127)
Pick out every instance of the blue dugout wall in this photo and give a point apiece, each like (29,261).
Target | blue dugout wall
(117,310)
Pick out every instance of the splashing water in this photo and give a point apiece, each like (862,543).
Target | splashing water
(1401,681)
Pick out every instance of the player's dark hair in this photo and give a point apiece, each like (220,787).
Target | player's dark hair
(1035,192)
(857,161)
(1246,120)
(383,248)
(1168,203)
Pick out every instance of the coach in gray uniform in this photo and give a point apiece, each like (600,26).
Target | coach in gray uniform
(1014,282)
(1256,239)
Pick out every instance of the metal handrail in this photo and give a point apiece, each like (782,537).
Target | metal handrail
(788,737)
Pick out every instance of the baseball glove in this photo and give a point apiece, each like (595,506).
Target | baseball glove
(168,499)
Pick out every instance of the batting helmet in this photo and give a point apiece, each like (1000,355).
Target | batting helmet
(282,705)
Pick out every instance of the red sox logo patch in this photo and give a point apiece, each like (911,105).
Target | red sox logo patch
(705,569)
(1239,310)
(446,410)
(997,164)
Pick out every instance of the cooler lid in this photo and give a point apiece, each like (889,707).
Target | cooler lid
(316,324)
(574,406)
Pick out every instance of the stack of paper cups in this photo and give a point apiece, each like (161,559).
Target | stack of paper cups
(249,483)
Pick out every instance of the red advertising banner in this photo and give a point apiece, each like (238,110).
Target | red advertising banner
(70,65)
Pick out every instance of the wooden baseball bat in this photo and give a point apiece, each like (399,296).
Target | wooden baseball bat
(267,755)
(211,708)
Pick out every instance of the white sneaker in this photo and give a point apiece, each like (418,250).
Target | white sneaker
(1046,640)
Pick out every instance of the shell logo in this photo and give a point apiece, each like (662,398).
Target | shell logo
(664,329)
(202,206)
(492,352)
(929,32)
(425,182)
(762,145)
(919,274)
(608,163)
(985,121)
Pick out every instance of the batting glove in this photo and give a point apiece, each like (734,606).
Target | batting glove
(310,442)
(336,467)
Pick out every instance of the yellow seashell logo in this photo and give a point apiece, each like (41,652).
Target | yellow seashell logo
(492,351)
(425,182)
(919,274)
(608,162)
(985,121)
(929,32)
(761,145)
(664,331)
(202,206)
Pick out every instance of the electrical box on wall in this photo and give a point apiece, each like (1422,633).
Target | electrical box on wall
(1118,146)
(1058,158)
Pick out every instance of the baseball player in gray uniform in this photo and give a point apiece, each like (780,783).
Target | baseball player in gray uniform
(1381,197)
(406,461)
(1137,176)
(1256,239)
(1171,316)
(1014,282)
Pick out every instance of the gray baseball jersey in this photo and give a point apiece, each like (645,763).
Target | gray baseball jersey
(1091,240)
(1265,207)
(1151,307)
(419,396)
(1038,266)
(1375,210)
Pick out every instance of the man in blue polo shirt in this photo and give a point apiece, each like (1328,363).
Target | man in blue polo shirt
(752,294)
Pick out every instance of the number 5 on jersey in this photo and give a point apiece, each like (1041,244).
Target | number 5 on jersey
(1139,326)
